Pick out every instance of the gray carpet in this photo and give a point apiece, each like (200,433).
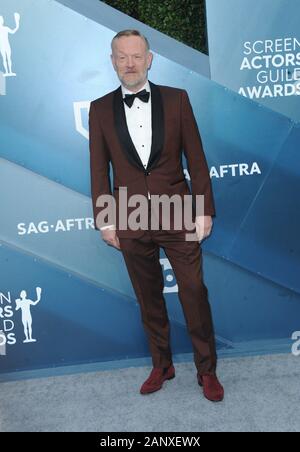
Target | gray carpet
(261,394)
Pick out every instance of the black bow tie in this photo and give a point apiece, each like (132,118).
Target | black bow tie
(143,95)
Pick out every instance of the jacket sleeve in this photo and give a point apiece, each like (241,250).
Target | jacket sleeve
(196,161)
(99,163)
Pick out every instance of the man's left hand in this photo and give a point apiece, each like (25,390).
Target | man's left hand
(203,227)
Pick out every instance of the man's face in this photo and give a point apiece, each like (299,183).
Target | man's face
(131,61)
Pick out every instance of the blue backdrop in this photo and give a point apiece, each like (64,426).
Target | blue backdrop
(254,49)
(87,311)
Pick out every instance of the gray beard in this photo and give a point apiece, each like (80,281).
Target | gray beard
(132,84)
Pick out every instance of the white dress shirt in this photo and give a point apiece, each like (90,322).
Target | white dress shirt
(138,119)
(139,123)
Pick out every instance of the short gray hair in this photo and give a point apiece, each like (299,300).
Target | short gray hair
(130,33)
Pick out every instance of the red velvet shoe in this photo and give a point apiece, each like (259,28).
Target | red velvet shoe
(212,388)
(156,378)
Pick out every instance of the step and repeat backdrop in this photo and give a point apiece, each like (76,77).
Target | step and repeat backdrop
(254,50)
(65,297)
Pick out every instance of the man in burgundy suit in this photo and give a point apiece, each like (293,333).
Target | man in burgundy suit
(141,129)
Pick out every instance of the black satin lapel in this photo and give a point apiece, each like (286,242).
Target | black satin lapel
(158,125)
(123,132)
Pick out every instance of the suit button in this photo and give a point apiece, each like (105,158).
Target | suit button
(148,173)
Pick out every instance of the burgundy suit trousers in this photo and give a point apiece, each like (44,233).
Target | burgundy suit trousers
(141,256)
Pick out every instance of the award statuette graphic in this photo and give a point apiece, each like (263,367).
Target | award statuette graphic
(5,48)
(25,305)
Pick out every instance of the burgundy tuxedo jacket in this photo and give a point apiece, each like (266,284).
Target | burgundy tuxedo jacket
(174,129)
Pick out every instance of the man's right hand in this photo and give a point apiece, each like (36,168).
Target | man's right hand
(110,238)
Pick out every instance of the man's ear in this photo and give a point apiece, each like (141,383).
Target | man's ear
(150,59)
(113,61)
